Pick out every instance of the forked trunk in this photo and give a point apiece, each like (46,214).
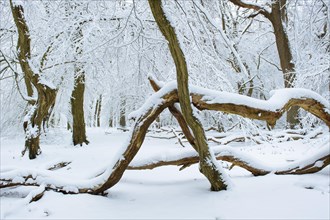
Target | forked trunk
(40,108)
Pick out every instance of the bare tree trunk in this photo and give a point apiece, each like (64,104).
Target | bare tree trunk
(77,96)
(77,110)
(208,165)
(38,110)
(97,113)
(277,17)
(111,119)
(122,116)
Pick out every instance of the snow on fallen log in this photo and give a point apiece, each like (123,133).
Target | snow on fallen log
(267,110)
(313,163)
(51,180)
(33,196)
(113,171)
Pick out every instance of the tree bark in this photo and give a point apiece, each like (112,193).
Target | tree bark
(77,110)
(138,134)
(38,110)
(178,115)
(208,164)
(278,17)
(77,96)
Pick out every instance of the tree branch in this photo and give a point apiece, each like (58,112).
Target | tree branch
(228,154)
(176,113)
(254,7)
(29,99)
(267,110)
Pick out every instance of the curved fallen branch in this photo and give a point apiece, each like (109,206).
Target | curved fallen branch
(267,110)
(144,117)
(317,108)
(312,164)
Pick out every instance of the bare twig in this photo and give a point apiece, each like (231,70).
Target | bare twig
(178,137)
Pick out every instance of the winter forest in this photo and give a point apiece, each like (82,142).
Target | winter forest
(165,109)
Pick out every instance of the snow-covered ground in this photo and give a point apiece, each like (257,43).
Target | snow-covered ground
(166,192)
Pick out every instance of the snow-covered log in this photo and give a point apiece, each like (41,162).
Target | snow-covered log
(267,110)
(312,164)
(114,171)
(144,117)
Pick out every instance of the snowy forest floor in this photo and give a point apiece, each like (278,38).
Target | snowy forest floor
(166,192)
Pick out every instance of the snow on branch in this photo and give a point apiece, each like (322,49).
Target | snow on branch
(312,164)
(258,8)
(113,172)
(267,110)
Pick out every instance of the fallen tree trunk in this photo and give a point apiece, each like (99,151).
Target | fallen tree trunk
(144,120)
(267,110)
(313,164)
(144,117)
